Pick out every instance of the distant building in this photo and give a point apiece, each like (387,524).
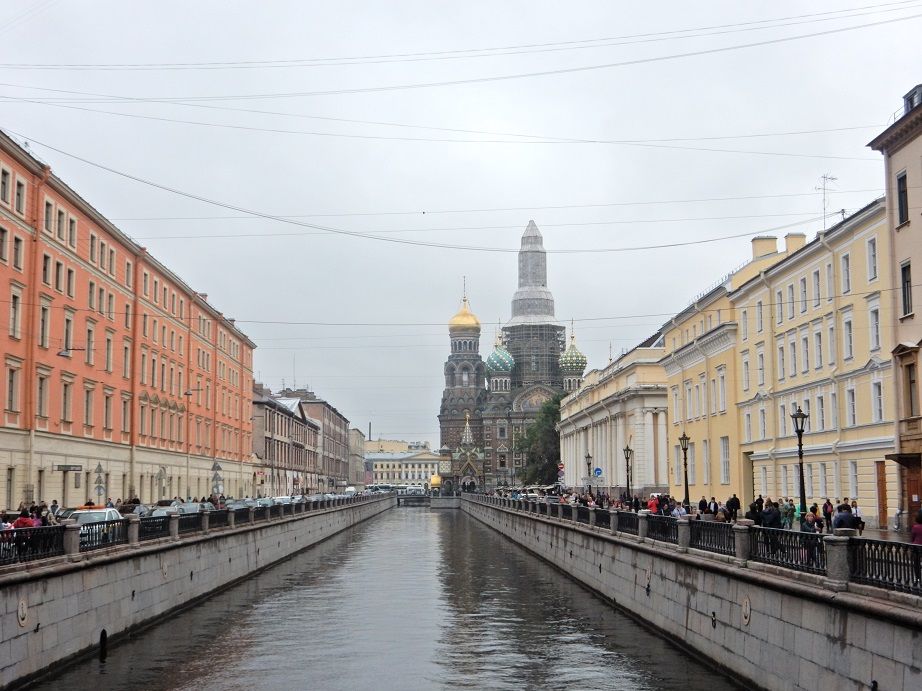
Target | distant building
(394,445)
(403,467)
(333,471)
(356,477)
(285,444)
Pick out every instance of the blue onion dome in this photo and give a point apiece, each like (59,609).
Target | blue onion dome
(573,361)
(500,360)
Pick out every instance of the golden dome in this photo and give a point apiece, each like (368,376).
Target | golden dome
(464,319)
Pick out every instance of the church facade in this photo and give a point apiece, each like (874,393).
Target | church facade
(487,405)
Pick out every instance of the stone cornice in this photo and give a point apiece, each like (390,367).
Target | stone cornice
(717,340)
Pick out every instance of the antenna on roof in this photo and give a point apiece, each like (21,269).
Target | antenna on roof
(826,178)
(609,351)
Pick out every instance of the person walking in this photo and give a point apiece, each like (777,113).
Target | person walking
(856,513)
(733,506)
(827,514)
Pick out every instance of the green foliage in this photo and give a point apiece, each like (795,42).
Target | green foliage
(541,445)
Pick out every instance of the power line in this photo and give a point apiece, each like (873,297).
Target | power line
(523,75)
(581,44)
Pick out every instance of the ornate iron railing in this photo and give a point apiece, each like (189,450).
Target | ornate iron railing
(603,518)
(663,528)
(788,548)
(103,534)
(628,522)
(260,513)
(242,515)
(26,544)
(713,537)
(189,522)
(890,565)
(275,511)
(153,527)
(582,513)
(217,519)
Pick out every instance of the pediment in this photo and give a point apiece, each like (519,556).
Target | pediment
(532,398)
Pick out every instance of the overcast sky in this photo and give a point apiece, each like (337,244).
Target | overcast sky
(670,127)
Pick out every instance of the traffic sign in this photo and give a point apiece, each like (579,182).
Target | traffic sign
(560,466)
(598,472)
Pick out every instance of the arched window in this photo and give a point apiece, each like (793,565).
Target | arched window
(465,377)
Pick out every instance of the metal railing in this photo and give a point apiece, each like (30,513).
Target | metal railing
(663,528)
(260,513)
(153,527)
(190,522)
(628,522)
(890,565)
(103,534)
(582,513)
(788,548)
(713,537)
(26,544)
(603,518)
(217,519)
(242,515)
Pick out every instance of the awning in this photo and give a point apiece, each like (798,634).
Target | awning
(909,460)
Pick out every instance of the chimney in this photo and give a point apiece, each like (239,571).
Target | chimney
(793,242)
(204,296)
(912,99)
(763,245)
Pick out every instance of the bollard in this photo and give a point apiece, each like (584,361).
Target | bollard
(205,521)
(231,519)
(642,524)
(837,558)
(591,517)
(614,520)
(574,513)
(134,529)
(742,538)
(559,510)
(174,526)
(684,534)
(72,539)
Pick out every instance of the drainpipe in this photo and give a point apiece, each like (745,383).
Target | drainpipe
(834,372)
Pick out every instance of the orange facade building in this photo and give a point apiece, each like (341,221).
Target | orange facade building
(110,361)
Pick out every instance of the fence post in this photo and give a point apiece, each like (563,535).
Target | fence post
(72,539)
(559,510)
(174,526)
(252,514)
(683,527)
(574,513)
(591,517)
(742,538)
(642,523)
(614,520)
(134,529)
(231,518)
(206,519)
(837,558)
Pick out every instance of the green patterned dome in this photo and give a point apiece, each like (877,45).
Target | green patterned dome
(500,360)
(573,361)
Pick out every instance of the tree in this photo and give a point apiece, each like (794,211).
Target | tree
(541,445)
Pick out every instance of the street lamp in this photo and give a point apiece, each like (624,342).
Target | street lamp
(588,472)
(628,455)
(683,442)
(188,394)
(800,421)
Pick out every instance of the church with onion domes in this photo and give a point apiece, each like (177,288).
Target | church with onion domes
(487,405)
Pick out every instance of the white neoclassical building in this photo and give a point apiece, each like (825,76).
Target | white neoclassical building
(622,405)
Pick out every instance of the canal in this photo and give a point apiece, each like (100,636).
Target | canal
(413,599)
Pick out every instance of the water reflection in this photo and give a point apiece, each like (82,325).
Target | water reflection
(414,599)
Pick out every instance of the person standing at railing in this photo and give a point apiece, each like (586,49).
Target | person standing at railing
(856,512)
(24,521)
(679,511)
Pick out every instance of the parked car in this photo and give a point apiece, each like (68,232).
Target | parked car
(94,515)
(165,511)
(137,509)
(282,500)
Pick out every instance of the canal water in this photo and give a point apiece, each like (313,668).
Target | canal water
(412,599)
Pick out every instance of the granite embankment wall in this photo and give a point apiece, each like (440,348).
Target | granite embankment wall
(765,626)
(57,609)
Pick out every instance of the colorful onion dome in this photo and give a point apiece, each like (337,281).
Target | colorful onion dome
(573,361)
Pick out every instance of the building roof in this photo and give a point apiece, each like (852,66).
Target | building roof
(400,455)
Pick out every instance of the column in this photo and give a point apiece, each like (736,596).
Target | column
(662,460)
(649,457)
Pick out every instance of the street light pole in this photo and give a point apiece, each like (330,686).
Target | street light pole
(628,455)
(683,442)
(800,421)
(588,472)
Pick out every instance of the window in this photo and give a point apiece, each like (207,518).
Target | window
(156,291)
(744,324)
(17,253)
(691,463)
(111,261)
(91,297)
(829,283)
(781,369)
(88,407)
(68,330)
(906,287)
(791,301)
(847,339)
(806,409)
(58,276)
(722,389)
(72,232)
(762,424)
(760,360)
(5,186)
(126,416)
(820,413)
(49,216)
(12,389)
(872,258)
(745,373)
(111,306)
(782,420)
(902,199)
(41,398)
(70,282)
(46,270)
(675,404)
(846,274)
(808,480)
(146,280)
(143,367)
(779,307)
(784,480)
(833,411)
(792,347)
(747,427)
(15,313)
(912,390)
(725,460)
(853,478)
(832,343)
(874,326)
(803,294)
(126,361)
(66,401)
(108,353)
(818,349)
(706,461)
(128,274)
(816,288)
(89,345)
(763,480)
(3,244)
(851,412)
(805,352)
(44,316)
(759,316)
(877,401)
(107,412)
(20,197)
(62,226)
(92,248)
(823,486)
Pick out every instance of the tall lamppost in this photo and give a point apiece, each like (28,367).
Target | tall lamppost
(588,472)
(683,442)
(800,421)
(628,455)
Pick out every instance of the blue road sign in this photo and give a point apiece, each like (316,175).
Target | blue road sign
(597,472)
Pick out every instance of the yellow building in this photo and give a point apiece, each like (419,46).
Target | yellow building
(623,405)
(901,146)
(701,366)
(403,467)
(812,333)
